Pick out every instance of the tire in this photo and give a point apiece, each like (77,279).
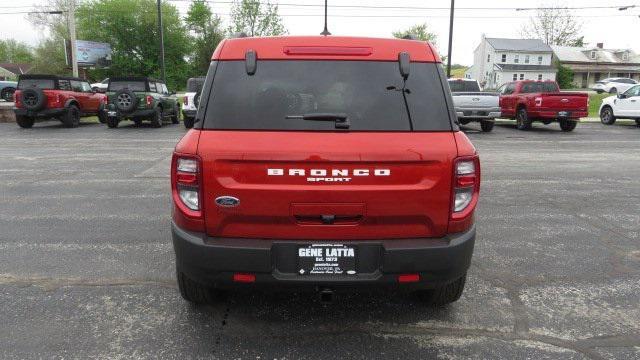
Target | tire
(112,122)
(188,122)
(156,118)
(443,295)
(568,125)
(125,100)
(196,98)
(195,292)
(102,115)
(599,91)
(522,120)
(175,117)
(486,125)
(606,116)
(7,94)
(613,91)
(33,99)
(25,122)
(72,118)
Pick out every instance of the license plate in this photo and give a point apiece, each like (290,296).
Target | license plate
(563,113)
(326,259)
(112,113)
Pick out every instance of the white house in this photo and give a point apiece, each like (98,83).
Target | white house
(497,61)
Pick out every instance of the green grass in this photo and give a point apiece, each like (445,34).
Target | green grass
(595,100)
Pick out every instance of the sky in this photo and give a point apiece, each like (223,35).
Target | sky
(615,28)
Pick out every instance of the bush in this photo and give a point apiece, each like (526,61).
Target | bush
(564,77)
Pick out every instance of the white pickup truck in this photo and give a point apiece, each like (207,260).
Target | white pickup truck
(472,104)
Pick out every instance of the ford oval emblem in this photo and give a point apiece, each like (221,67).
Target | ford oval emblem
(475,99)
(227,201)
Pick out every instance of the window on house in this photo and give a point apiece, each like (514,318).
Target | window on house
(515,77)
(539,77)
(521,76)
(526,59)
(488,57)
(504,57)
(593,54)
(516,59)
(539,60)
(625,56)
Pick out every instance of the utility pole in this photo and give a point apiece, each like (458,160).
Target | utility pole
(164,79)
(450,40)
(72,35)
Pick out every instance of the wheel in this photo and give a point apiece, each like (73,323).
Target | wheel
(33,99)
(613,91)
(125,100)
(7,94)
(443,295)
(156,118)
(188,122)
(599,91)
(175,117)
(25,121)
(486,125)
(606,116)
(522,120)
(195,292)
(72,118)
(568,125)
(102,115)
(112,122)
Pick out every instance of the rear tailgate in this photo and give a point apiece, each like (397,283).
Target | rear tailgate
(370,185)
(475,99)
(572,101)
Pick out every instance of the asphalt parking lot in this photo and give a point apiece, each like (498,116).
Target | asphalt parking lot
(86,261)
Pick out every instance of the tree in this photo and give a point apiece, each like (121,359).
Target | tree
(15,52)
(420,31)
(131,27)
(205,33)
(256,18)
(49,58)
(564,76)
(554,26)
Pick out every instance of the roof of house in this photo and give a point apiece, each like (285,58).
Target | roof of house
(583,54)
(530,45)
(524,67)
(16,68)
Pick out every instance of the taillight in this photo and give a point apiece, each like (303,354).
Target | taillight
(538,101)
(186,184)
(466,190)
(185,100)
(149,100)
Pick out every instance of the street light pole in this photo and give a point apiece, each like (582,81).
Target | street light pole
(450,39)
(161,40)
(72,36)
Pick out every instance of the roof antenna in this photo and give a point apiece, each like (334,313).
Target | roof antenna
(325,32)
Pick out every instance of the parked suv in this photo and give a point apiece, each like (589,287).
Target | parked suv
(620,106)
(138,99)
(190,100)
(613,85)
(43,97)
(324,163)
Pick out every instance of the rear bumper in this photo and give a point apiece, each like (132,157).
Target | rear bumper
(213,261)
(478,113)
(555,114)
(189,113)
(41,114)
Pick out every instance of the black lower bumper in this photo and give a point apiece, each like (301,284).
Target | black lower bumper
(189,113)
(213,261)
(139,113)
(40,114)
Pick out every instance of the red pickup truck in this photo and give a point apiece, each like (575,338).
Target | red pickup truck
(528,101)
(325,163)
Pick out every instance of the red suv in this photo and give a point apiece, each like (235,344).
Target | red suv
(42,97)
(324,163)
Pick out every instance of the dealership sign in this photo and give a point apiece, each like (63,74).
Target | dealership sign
(90,54)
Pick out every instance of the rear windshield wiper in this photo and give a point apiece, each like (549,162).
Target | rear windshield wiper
(341,120)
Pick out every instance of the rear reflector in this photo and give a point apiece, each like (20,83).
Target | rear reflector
(408,278)
(327,50)
(244,278)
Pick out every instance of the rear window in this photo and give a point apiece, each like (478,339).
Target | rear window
(37,83)
(131,85)
(463,86)
(195,84)
(538,87)
(369,93)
